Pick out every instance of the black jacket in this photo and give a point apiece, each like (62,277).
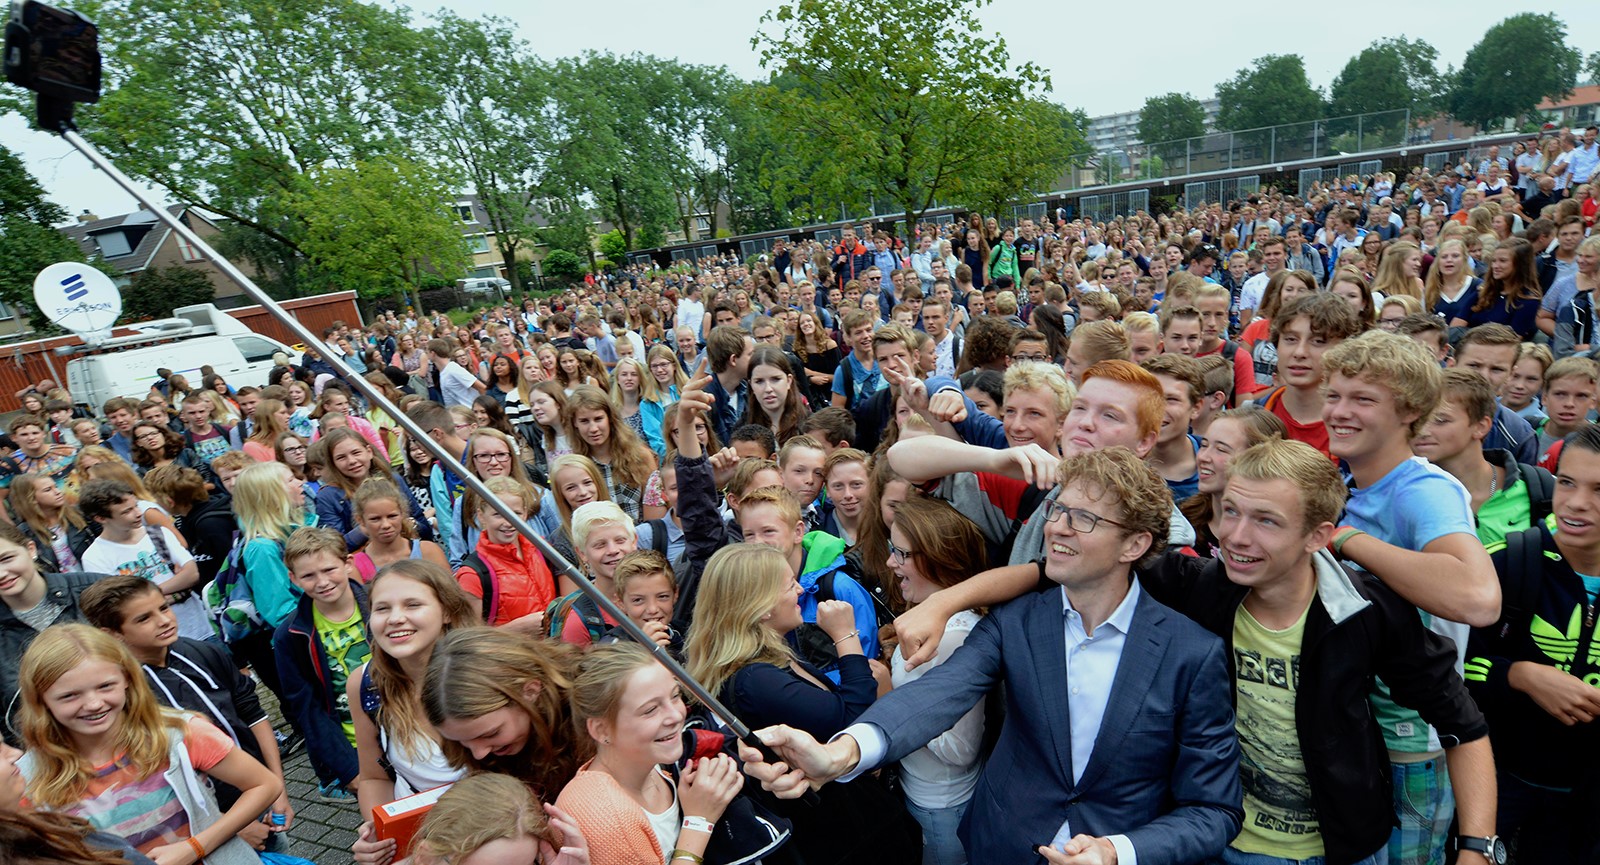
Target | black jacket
(1547,618)
(1357,629)
(78,540)
(703,531)
(309,698)
(203,677)
(209,527)
(61,590)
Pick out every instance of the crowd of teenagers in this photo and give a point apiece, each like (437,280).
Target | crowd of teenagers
(1256,533)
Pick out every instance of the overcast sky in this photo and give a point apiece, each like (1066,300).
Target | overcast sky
(1100,63)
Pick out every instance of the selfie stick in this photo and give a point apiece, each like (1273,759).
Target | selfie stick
(445,458)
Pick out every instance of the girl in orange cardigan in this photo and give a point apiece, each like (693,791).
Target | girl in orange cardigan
(624,802)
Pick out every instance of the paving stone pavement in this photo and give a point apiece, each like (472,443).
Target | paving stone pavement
(321,832)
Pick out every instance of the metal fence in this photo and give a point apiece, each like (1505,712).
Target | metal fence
(1101,208)
(1229,189)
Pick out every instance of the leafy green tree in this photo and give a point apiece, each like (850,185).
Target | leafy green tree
(563,265)
(155,293)
(615,130)
(1170,117)
(613,246)
(1518,63)
(488,122)
(228,106)
(29,241)
(903,100)
(1391,73)
(1273,90)
(382,226)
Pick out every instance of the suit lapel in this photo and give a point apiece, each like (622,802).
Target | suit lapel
(1047,640)
(1142,652)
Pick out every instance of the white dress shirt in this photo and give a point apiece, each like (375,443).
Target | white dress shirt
(1092,663)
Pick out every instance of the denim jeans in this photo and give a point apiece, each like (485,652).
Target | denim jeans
(940,846)
(1231,856)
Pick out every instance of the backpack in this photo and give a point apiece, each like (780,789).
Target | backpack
(230,605)
(658,535)
(555,616)
(486,580)
(1541,490)
(1522,576)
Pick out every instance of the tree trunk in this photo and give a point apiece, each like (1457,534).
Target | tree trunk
(508,252)
(622,214)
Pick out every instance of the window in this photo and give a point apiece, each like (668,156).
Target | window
(188,250)
(479,242)
(464,213)
(255,349)
(702,224)
(6,312)
(112,244)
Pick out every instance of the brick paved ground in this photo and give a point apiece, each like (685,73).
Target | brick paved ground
(321,832)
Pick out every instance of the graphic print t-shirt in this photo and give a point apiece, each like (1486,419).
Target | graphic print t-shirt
(143,560)
(1279,819)
(346,645)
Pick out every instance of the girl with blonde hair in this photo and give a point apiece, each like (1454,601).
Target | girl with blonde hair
(1398,269)
(271,420)
(1451,286)
(493,818)
(96,735)
(269,504)
(499,700)
(638,401)
(625,801)
(413,605)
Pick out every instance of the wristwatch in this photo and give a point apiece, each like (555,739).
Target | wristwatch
(1491,847)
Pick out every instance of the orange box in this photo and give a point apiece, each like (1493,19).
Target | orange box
(401,818)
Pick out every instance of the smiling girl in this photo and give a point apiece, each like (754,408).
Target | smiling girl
(351,461)
(931,547)
(1229,434)
(625,462)
(100,747)
(336,401)
(413,604)
(626,803)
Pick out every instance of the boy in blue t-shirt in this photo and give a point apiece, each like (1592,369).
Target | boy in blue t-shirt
(857,376)
(1412,522)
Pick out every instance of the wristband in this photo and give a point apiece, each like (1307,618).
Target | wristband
(685,854)
(698,824)
(846,637)
(1342,537)
(199,849)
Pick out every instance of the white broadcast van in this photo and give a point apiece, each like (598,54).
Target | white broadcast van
(196,336)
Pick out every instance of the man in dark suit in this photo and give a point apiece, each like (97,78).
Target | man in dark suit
(1119,738)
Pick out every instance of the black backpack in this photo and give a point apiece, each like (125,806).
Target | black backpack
(658,535)
(1541,490)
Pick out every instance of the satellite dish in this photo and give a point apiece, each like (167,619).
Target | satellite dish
(78,298)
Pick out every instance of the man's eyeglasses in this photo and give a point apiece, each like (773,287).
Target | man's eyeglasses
(1078,519)
(1032,357)
(896,554)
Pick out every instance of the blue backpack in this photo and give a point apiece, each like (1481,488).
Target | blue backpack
(230,605)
